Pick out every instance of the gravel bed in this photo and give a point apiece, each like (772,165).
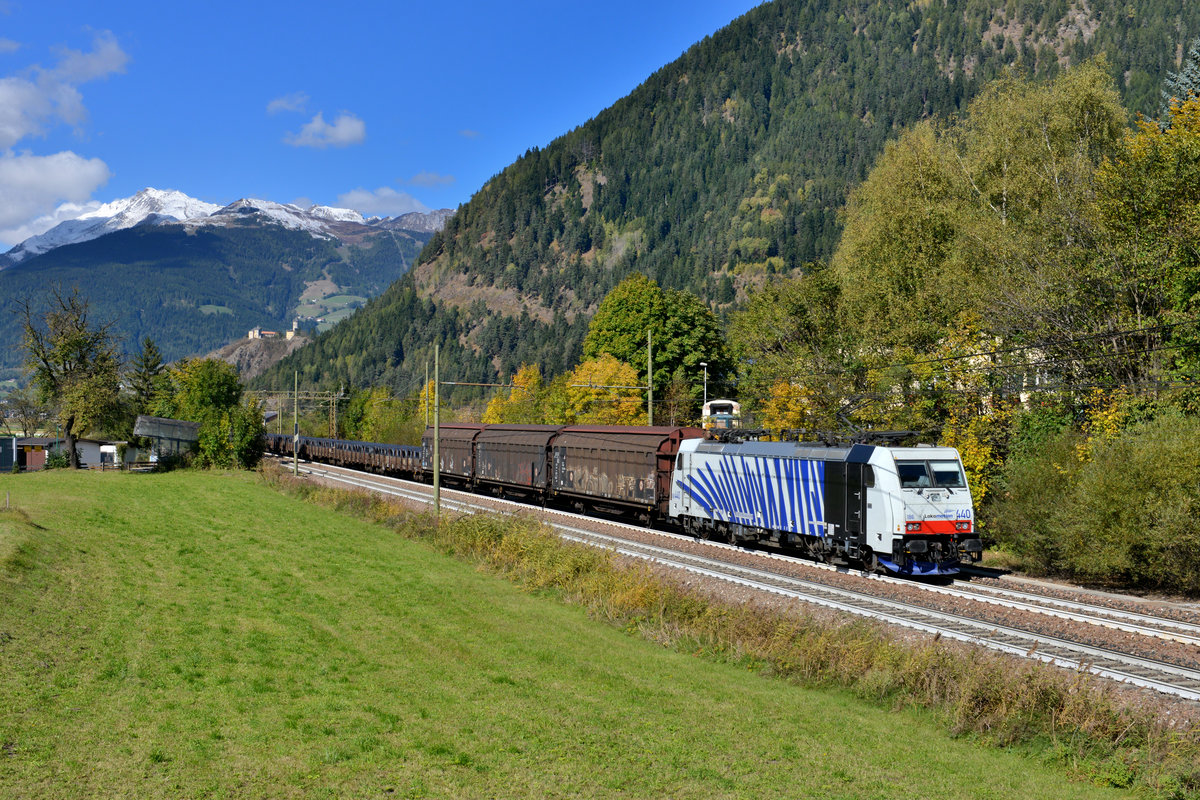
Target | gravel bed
(1173,608)
(1134,644)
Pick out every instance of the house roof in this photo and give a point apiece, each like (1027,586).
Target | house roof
(164,428)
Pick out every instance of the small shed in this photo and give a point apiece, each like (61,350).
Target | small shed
(103,454)
(171,436)
(8,453)
(33,450)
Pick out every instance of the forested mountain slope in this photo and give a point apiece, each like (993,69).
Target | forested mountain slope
(725,168)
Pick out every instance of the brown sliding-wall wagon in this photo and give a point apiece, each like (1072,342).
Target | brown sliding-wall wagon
(617,469)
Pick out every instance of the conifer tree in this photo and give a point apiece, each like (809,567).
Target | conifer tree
(144,380)
(1179,87)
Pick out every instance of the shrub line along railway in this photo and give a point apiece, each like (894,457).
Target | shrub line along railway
(1109,661)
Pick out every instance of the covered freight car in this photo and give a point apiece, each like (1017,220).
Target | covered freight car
(618,469)
(514,458)
(456,452)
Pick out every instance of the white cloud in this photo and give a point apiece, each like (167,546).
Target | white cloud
(467,133)
(42,97)
(106,58)
(33,188)
(383,202)
(426,178)
(346,130)
(296,101)
(39,191)
(24,108)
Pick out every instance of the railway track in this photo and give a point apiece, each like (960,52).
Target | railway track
(1112,660)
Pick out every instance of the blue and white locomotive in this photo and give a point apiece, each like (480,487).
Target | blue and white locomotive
(906,510)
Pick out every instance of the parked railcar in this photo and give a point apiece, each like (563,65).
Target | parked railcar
(618,469)
(386,459)
(514,459)
(907,510)
(278,444)
(456,452)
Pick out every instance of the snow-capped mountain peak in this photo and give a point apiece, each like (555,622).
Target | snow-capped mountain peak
(154,205)
(336,214)
(315,219)
(167,207)
(149,202)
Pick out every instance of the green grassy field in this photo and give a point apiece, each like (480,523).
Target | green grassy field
(199,635)
(332,309)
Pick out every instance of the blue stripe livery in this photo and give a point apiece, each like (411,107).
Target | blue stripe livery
(785,494)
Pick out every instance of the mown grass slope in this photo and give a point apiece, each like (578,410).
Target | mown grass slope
(200,635)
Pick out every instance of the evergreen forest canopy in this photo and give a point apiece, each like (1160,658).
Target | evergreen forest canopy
(725,169)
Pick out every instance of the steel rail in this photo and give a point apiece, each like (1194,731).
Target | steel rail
(899,611)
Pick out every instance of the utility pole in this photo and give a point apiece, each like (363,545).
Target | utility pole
(437,435)
(425,392)
(333,412)
(649,378)
(296,424)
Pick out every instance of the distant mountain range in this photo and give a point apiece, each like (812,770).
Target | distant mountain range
(195,276)
(168,207)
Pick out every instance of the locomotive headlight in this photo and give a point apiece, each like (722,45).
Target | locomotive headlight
(913,526)
(962,526)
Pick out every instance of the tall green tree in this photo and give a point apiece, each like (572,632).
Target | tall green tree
(144,377)
(1149,200)
(73,363)
(989,216)
(1179,87)
(791,348)
(684,333)
(209,391)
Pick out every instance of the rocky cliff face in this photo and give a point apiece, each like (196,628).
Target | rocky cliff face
(252,357)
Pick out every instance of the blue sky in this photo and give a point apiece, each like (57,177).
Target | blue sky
(381,107)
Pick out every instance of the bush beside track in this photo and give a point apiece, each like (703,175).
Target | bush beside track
(1102,734)
(1124,509)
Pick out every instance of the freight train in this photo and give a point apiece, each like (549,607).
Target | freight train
(904,510)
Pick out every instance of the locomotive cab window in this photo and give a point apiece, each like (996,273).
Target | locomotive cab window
(948,474)
(913,474)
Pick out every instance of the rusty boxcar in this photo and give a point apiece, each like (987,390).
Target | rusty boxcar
(514,458)
(456,452)
(617,468)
